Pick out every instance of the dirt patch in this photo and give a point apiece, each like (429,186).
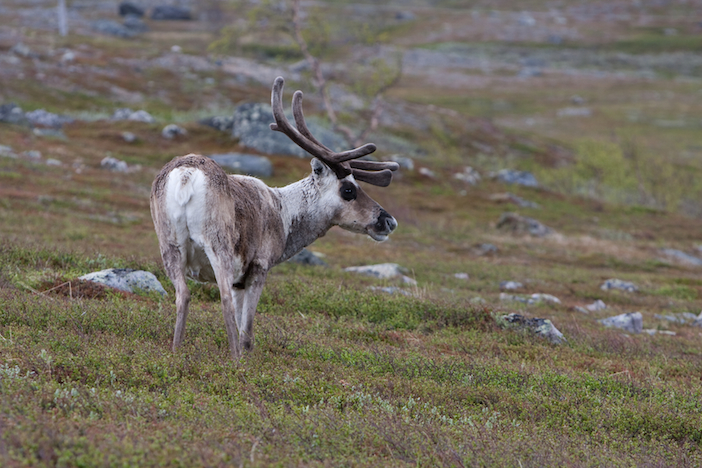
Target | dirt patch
(78,289)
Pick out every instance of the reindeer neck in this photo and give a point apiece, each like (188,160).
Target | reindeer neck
(304,219)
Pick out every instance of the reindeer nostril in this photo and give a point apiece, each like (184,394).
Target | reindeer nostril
(385,223)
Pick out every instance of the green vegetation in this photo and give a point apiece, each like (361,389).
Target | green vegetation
(343,373)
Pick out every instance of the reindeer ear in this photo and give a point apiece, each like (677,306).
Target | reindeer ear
(317,166)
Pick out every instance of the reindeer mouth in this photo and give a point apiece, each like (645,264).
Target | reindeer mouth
(381,229)
(376,236)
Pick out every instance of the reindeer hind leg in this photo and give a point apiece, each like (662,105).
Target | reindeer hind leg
(174,262)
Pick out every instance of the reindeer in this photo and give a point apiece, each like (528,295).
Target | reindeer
(232,229)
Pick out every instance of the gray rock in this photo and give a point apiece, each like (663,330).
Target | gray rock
(249,164)
(390,290)
(541,297)
(11,113)
(614,283)
(510,285)
(112,28)
(221,123)
(380,271)
(574,112)
(130,9)
(114,164)
(681,318)
(405,16)
(682,257)
(541,327)
(49,132)
(306,257)
(22,50)
(426,172)
(461,276)
(509,197)
(698,321)
(631,322)
(404,162)
(469,176)
(517,224)
(536,298)
(6,152)
(42,118)
(168,12)
(510,176)
(172,131)
(596,306)
(252,127)
(484,249)
(135,24)
(126,279)
(54,162)
(129,137)
(32,155)
(141,116)
(127,114)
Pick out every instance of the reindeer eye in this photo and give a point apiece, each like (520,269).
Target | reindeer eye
(348,191)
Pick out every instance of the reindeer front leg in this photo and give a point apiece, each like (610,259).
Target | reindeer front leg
(252,294)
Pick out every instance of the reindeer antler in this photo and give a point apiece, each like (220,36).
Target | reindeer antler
(376,173)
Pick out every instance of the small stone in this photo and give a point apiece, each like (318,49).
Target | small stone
(614,283)
(221,123)
(172,131)
(69,56)
(508,197)
(390,290)
(114,164)
(574,112)
(582,310)
(510,176)
(461,276)
(407,280)
(168,12)
(596,306)
(6,152)
(53,162)
(129,8)
(426,172)
(11,113)
(518,224)
(631,322)
(404,162)
(698,321)
(43,118)
(541,327)
(510,285)
(22,50)
(33,155)
(484,249)
(129,137)
(469,176)
(541,297)
(249,164)
(126,279)
(682,257)
(307,257)
(477,300)
(142,116)
(380,271)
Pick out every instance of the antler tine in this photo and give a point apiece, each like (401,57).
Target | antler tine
(306,141)
(300,123)
(379,178)
(282,125)
(374,165)
(333,156)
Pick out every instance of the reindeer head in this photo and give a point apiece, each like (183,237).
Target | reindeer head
(336,174)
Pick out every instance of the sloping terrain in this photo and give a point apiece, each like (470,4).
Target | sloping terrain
(602,101)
